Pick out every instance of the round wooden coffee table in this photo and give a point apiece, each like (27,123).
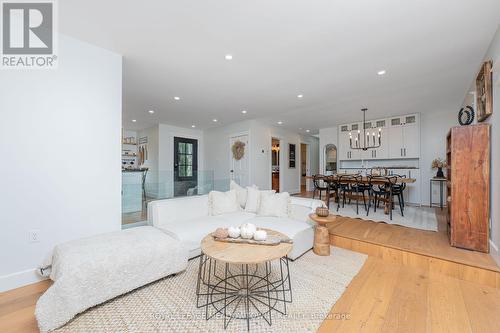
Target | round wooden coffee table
(243,281)
(321,234)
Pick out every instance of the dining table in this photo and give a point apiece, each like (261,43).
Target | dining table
(365,180)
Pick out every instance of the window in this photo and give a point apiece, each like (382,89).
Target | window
(344,128)
(395,121)
(185,159)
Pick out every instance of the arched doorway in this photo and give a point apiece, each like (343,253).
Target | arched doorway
(330,159)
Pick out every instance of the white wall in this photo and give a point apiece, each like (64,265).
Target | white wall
(326,136)
(217,151)
(433,130)
(217,156)
(151,162)
(160,178)
(60,134)
(493,54)
(166,134)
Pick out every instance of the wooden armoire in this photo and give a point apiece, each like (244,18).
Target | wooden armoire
(468,185)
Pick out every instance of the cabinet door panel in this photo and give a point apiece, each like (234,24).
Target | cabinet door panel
(344,146)
(395,141)
(411,137)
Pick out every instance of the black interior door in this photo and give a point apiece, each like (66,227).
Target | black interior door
(185,166)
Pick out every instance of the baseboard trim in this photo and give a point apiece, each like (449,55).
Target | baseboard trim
(19,279)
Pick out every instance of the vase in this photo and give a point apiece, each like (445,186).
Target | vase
(440,173)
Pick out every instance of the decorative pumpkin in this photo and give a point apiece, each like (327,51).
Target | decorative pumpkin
(322,211)
(247,230)
(233,232)
(221,233)
(260,235)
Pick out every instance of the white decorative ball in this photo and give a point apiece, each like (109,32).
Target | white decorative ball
(247,230)
(260,235)
(234,232)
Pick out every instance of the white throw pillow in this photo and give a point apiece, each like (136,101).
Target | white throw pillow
(253,199)
(241,192)
(274,204)
(223,202)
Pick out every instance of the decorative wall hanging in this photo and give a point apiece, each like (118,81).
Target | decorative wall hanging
(466,115)
(291,155)
(484,92)
(238,150)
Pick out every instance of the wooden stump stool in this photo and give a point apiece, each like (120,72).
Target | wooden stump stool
(321,241)
(321,234)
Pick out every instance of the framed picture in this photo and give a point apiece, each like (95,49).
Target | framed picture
(484,92)
(291,156)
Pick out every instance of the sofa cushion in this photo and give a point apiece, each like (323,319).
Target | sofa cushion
(253,199)
(193,231)
(273,204)
(223,202)
(284,225)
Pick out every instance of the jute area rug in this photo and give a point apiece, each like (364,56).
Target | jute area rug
(169,305)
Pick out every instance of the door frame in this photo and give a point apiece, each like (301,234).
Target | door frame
(270,161)
(248,152)
(308,164)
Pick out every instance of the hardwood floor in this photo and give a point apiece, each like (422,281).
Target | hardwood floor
(427,243)
(412,281)
(383,297)
(386,297)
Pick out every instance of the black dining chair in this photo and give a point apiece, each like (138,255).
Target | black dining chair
(384,190)
(352,186)
(320,185)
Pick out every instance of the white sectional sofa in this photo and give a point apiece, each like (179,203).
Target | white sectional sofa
(187,219)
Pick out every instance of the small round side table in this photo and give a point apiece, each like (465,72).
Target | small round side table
(321,234)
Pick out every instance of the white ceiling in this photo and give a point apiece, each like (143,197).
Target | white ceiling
(329,51)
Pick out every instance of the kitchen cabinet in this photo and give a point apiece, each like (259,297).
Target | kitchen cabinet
(404,137)
(345,151)
(400,139)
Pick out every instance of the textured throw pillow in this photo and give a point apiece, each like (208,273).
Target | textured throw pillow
(274,204)
(241,193)
(253,199)
(223,202)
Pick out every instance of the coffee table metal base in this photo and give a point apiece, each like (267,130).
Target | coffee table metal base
(244,292)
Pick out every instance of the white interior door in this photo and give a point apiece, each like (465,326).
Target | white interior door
(239,169)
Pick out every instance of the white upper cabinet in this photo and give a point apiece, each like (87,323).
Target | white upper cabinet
(345,151)
(400,139)
(404,135)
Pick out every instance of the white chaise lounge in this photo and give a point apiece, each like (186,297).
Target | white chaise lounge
(92,270)
(187,219)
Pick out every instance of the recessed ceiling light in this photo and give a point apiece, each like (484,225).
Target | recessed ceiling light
(381,72)
(193,126)
(177,98)
(300,96)
(151,111)
(133,120)
(214,120)
(229,57)
(244,111)
(308,131)
(280,122)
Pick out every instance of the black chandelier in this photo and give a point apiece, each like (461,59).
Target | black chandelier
(375,142)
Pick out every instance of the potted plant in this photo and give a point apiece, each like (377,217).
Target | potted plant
(439,164)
